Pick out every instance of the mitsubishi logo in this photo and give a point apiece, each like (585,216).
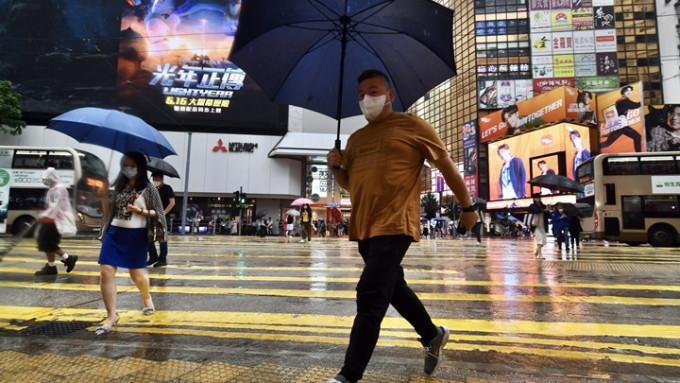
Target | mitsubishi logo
(219,146)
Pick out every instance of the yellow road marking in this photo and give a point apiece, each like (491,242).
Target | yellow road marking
(321,278)
(350,294)
(551,353)
(322,323)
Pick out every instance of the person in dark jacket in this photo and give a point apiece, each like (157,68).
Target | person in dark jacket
(575,230)
(560,223)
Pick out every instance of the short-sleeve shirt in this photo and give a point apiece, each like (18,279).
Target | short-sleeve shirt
(384,161)
(166,193)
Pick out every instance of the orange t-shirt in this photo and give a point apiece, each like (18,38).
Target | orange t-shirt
(384,161)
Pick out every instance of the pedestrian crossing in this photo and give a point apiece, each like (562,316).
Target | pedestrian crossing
(496,299)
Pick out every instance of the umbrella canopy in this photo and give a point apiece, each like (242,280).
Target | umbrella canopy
(293,212)
(262,213)
(155,164)
(322,46)
(114,130)
(575,208)
(302,201)
(556,182)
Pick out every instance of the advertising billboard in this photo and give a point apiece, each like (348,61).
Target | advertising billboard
(173,68)
(107,54)
(621,122)
(556,105)
(662,127)
(470,157)
(515,160)
(578,42)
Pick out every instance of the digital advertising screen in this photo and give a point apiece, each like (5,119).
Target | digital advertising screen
(470,157)
(514,161)
(164,61)
(173,67)
(621,120)
(662,127)
(553,106)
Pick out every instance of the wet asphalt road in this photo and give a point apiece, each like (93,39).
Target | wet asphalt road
(604,313)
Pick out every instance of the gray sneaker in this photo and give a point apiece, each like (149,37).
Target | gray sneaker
(433,351)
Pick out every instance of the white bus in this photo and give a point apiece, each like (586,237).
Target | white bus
(22,193)
(635,197)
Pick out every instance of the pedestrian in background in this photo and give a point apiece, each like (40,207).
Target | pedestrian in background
(385,187)
(575,230)
(124,233)
(306,223)
(290,225)
(538,221)
(479,225)
(560,224)
(56,221)
(168,201)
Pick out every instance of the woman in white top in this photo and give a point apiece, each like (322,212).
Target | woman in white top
(124,233)
(538,221)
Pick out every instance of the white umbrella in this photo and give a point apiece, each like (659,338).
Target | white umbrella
(293,212)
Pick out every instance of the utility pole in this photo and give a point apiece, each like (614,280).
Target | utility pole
(240,212)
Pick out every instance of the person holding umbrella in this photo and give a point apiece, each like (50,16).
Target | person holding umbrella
(381,167)
(124,233)
(168,201)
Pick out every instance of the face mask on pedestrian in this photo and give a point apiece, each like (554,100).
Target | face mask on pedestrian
(372,106)
(157,183)
(560,210)
(130,172)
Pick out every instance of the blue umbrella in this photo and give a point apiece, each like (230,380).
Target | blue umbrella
(114,130)
(305,52)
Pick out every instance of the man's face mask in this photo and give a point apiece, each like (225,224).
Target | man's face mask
(372,106)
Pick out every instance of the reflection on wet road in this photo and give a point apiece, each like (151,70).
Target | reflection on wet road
(601,313)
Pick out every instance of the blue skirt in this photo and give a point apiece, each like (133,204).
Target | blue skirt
(124,247)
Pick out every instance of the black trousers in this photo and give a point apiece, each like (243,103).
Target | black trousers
(381,283)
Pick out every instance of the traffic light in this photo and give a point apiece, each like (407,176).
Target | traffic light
(237,197)
(243,198)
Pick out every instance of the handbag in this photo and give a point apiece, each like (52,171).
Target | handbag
(154,230)
(535,219)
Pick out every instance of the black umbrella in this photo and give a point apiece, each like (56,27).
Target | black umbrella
(556,182)
(305,52)
(155,164)
(576,208)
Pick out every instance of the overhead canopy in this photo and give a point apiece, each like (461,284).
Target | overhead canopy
(298,144)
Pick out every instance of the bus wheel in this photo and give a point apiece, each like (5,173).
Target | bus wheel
(661,236)
(20,224)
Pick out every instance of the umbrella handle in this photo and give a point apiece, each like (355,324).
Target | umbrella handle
(337,146)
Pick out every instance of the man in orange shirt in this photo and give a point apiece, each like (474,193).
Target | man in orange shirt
(381,167)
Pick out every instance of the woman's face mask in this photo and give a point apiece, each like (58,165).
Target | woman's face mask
(130,171)
(560,210)
(157,183)
(372,106)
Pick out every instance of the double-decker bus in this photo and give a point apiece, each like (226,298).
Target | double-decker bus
(635,197)
(22,193)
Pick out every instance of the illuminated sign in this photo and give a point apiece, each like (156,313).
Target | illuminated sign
(553,106)
(621,120)
(513,161)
